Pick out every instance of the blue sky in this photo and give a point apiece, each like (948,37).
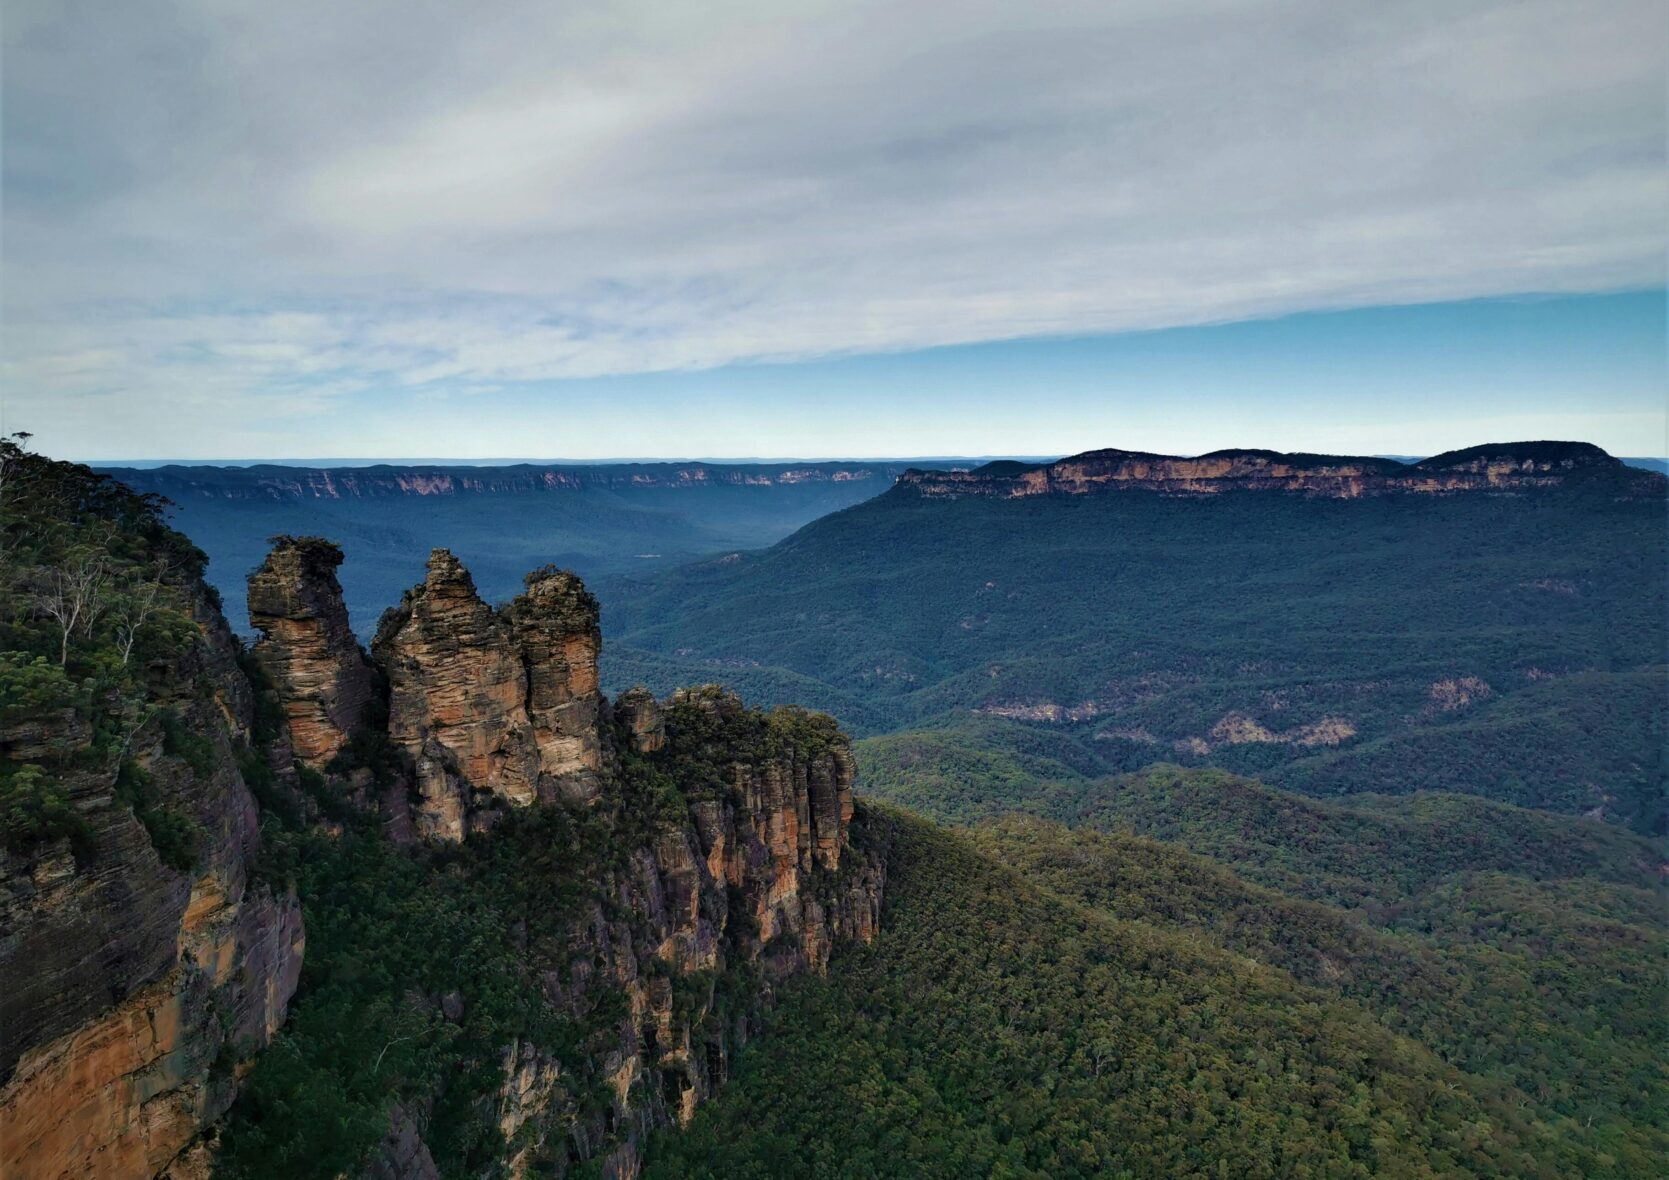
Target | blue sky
(1398,380)
(1406,380)
(831,227)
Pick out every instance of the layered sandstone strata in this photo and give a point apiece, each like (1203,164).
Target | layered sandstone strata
(746,870)
(554,625)
(136,990)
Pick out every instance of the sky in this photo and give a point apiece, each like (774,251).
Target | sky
(824,229)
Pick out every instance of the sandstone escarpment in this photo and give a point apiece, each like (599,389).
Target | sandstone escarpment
(1503,467)
(684,856)
(728,854)
(307,648)
(751,871)
(143,965)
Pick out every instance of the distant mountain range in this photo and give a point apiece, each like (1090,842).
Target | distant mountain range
(527,461)
(1489,621)
(1492,467)
(596,519)
(1649,464)
(602,519)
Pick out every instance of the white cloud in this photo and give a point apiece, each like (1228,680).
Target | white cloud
(271,208)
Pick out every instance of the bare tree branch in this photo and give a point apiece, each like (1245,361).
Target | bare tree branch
(73,595)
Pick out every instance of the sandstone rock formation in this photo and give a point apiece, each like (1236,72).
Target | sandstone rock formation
(492,707)
(501,709)
(555,626)
(640,713)
(307,648)
(131,984)
(1504,467)
(691,853)
(457,699)
(763,872)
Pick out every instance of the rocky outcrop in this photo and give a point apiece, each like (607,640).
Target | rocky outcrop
(402,1155)
(1503,467)
(307,649)
(554,624)
(640,714)
(691,854)
(494,708)
(501,709)
(142,968)
(457,701)
(762,876)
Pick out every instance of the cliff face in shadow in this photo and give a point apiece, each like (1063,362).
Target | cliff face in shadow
(144,962)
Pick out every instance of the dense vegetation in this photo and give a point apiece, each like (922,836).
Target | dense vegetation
(419,970)
(1348,850)
(1508,646)
(93,588)
(1106,1006)
(1499,974)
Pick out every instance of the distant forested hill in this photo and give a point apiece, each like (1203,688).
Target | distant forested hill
(596,519)
(1502,640)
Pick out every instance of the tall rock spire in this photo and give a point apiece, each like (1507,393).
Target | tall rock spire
(556,625)
(307,648)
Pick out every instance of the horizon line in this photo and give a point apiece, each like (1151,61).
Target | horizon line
(750,460)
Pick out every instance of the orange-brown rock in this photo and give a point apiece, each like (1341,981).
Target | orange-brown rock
(128,977)
(752,867)
(764,870)
(554,623)
(307,648)
(457,699)
(494,708)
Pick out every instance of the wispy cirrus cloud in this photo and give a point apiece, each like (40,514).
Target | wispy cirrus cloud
(245,214)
